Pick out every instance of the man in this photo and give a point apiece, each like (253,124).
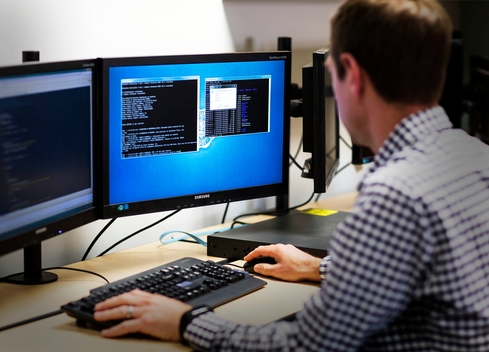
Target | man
(409,268)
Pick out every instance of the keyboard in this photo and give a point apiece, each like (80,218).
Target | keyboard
(189,280)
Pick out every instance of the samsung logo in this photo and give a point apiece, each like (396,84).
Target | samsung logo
(202,196)
(41,230)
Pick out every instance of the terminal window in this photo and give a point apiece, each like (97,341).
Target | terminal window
(237,106)
(45,153)
(159,116)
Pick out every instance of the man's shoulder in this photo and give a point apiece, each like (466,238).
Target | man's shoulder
(396,175)
(430,164)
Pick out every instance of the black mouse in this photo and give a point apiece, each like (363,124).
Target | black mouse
(249,266)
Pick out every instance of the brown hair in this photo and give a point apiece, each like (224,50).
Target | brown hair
(403,45)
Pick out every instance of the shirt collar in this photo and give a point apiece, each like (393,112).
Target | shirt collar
(407,132)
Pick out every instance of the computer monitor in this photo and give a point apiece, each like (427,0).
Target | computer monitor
(479,91)
(361,155)
(452,95)
(194,130)
(320,123)
(46,153)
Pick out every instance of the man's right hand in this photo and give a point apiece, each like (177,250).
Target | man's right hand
(292,263)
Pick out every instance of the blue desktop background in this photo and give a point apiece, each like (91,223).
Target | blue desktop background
(229,162)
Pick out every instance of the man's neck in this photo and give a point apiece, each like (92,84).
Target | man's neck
(385,117)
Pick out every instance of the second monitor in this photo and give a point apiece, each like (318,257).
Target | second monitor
(320,122)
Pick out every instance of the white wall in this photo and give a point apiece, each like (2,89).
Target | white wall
(79,29)
(76,29)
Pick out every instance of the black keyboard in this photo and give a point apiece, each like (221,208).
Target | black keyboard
(189,280)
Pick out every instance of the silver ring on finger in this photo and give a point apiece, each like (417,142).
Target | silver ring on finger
(129,312)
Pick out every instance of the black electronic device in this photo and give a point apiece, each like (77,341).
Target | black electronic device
(189,280)
(361,155)
(310,233)
(320,123)
(47,177)
(194,130)
(250,265)
(479,96)
(452,95)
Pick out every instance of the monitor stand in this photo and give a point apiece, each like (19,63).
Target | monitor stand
(33,273)
(310,233)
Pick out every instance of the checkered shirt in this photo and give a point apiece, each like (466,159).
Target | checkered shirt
(408,269)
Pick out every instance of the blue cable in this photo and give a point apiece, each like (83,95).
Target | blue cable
(185,234)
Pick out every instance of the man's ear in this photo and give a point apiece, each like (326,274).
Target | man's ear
(353,75)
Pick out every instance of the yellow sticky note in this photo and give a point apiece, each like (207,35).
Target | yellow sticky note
(319,212)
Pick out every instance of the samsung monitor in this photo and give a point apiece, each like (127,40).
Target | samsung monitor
(47,113)
(193,130)
(320,123)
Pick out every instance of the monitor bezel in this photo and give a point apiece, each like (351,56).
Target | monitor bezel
(281,189)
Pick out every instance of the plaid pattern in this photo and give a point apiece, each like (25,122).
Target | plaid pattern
(408,269)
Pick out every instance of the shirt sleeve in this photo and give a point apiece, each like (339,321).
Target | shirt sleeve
(376,259)
(324,267)
(203,329)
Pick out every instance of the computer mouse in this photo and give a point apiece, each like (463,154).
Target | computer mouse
(249,266)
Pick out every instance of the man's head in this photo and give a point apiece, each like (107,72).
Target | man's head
(402,45)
